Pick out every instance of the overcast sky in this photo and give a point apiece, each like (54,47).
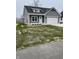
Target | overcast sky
(58,4)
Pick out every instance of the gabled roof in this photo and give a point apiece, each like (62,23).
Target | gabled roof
(42,9)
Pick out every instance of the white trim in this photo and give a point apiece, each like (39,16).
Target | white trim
(48,11)
(51,9)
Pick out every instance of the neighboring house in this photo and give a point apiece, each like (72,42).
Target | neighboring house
(61,18)
(40,15)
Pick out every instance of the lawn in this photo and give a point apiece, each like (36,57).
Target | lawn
(27,36)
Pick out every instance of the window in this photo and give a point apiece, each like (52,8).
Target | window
(34,19)
(36,10)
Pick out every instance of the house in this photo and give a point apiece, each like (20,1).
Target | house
(40,15)
(61,18)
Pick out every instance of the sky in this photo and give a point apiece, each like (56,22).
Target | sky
(58,4)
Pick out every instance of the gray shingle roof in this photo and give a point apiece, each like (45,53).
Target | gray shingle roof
(42,10)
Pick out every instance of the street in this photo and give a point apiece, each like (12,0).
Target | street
(52,50)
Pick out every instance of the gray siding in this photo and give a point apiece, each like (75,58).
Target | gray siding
(52,14)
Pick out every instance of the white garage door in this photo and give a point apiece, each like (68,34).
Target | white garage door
(52,20)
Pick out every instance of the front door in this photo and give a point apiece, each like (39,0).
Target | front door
(40,19)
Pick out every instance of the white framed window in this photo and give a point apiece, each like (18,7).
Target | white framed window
(36,10)
(34,19)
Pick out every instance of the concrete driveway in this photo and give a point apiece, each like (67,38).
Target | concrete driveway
(60,25)
(52,50)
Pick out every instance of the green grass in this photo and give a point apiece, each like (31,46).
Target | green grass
(33,35)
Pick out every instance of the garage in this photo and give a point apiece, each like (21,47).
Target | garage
(52,20)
